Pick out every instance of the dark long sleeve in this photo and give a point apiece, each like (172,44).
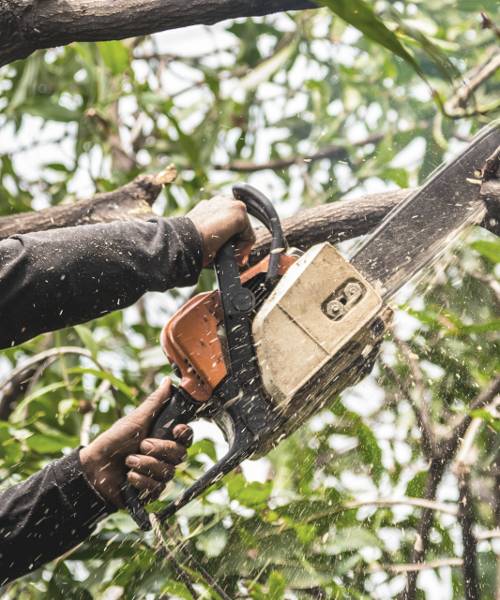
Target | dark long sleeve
(61,277)
(46,515)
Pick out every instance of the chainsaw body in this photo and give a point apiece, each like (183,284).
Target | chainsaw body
(314,334)
(317,333)
(268,349)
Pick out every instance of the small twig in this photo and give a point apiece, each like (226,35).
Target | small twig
(491,166)
(417,502)
(164,548)
(466,519)
(450,446)
(180,567)
(414,568)
(455,107)
(37,364)
(41,357)
(444,453)
(88,416)
(420,406)
(487,23)
(493,534)
(464,459)
(335,151)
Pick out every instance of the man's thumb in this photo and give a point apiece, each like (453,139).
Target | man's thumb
(150,408)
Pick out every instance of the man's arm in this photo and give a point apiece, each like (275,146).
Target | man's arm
(57,508)
(61,277)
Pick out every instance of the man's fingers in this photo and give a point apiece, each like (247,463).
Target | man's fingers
(183,434)
(150,488)
(170,452)
(151,467)
(245,242)
(149,409)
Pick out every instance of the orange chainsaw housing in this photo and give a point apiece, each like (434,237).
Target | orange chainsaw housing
(191,338)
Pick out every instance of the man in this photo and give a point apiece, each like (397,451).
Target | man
(66,276)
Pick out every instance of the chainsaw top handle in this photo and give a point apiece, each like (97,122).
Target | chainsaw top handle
(260,207)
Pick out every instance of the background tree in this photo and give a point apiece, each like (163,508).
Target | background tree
(395,488)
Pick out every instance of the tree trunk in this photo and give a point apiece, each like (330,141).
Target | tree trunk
(28,25)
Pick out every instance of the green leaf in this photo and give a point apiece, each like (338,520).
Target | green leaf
(176,589)
(213,541)
(487,417)
(416,485)
(203,446)
(360,15)
(276,584)
(490,249)
(87,338)
(115,382)
(248,493)
(350,539)
(115,56)
(370,450)
(267,68)
(38,393)
(51,444)
(480,327)
(49,109)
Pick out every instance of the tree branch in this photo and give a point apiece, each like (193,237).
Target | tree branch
(466,520)
(444,453)
(28,25)
(335,151)
(449,447)
(413,568)
(420,406)
(132,200)
(443,507)
(456,106)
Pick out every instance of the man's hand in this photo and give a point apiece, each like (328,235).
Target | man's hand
(217,221)
(152,461)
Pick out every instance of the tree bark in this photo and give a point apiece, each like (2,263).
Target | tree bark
(130,201)
(28,25)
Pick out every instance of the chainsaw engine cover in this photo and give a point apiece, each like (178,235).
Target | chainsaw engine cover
(316,333)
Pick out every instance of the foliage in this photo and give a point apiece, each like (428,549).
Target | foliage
(89,117)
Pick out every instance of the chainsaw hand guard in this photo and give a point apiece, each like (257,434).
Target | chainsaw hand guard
(238,402)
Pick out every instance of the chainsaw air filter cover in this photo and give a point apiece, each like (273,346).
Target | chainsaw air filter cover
(317,332)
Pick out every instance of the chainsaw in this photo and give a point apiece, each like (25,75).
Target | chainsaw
(274,343)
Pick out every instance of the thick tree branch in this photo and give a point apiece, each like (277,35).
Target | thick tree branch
(132,200)
(28,25)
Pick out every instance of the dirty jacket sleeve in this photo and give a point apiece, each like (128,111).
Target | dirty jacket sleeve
(62,277)
(47,515)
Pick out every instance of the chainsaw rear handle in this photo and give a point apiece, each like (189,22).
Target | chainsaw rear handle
(179,409)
